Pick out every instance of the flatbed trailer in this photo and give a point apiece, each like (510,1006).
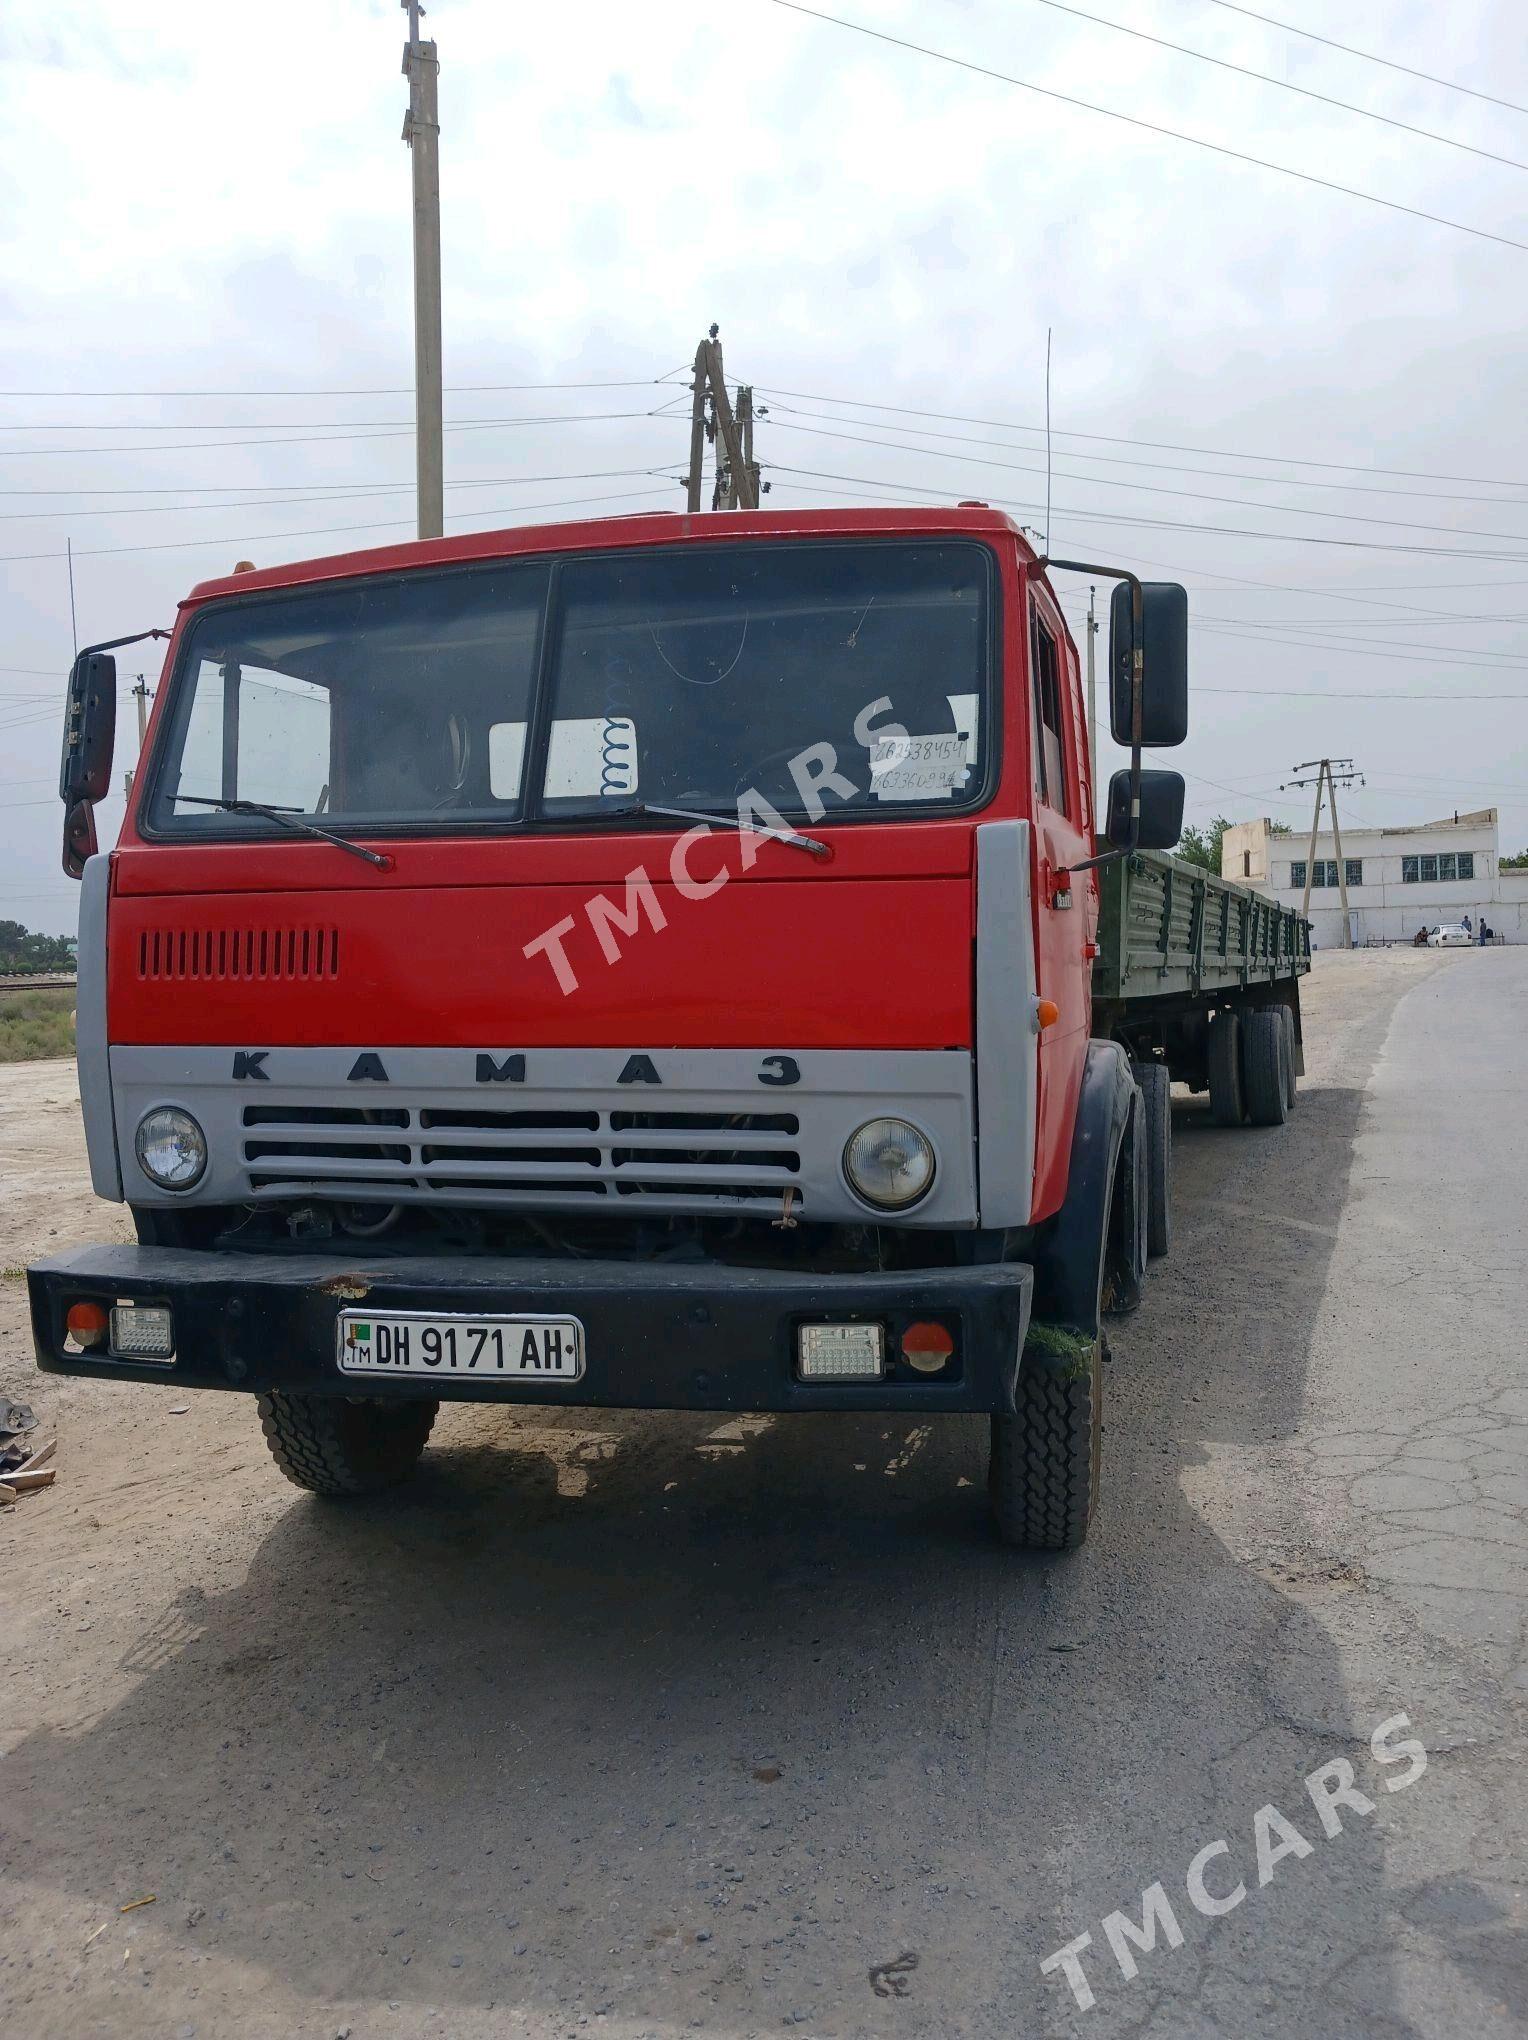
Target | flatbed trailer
(1185,959)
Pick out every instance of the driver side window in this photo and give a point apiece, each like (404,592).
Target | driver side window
(1050,746)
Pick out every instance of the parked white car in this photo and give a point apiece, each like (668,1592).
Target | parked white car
(1449,935)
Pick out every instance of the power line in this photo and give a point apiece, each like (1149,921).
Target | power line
(1176,524)
(323,493)
(1284,84)
(1149,126)
(1310,35)
(1151,488)
(1170,467)
(386,390)
(316,530)
(1118,439)
(322,439)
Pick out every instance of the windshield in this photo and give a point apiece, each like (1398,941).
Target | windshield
(821,678)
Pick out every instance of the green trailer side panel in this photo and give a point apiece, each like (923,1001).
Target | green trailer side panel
(1171,929)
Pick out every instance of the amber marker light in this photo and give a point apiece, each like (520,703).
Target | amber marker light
(1047,1013)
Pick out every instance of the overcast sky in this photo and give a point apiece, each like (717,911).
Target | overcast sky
(216,199)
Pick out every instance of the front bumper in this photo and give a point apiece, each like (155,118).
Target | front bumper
(699,1336)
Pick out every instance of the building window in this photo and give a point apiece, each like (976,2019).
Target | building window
(1408,871)
(1355,870)
(1448,867)
(1323,873)
(1467,864)
(1246,864)
(1297,875)
(1429,870)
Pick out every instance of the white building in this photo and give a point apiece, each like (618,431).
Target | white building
(1399,880)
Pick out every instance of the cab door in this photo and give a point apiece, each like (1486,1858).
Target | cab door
(1063,836)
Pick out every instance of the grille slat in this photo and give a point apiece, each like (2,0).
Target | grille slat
(530,1155)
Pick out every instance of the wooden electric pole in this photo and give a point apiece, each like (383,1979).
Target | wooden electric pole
(1328,772)
(421,130)
(737,474)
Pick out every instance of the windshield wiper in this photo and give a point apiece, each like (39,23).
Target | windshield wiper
(813,845)
(288,820)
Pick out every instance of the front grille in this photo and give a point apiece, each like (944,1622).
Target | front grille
(537,1157)
(210,953)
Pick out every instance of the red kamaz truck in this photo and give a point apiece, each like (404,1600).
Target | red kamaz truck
(646,962)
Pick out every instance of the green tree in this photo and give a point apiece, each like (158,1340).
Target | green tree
(1517,862)
(21,950)
(1202,846)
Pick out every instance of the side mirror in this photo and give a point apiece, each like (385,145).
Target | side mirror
(90,729)
(1161,810)
(1164,664)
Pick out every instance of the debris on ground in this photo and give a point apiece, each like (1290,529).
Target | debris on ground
(134,1905)
(15,1416)
(23,1466)
(891,1979)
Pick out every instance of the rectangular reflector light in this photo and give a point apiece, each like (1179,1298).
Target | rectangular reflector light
(840,1352)
(142,1331)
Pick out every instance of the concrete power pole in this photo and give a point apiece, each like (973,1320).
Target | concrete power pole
(1328,772)
(421,130)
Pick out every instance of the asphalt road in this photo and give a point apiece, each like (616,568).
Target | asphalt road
(649,1725)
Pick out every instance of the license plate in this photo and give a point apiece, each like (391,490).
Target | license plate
(419,1343)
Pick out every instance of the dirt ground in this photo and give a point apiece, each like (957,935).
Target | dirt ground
(642,1725)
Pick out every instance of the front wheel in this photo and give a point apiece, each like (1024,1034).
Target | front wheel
(342,1445)
(1044,1470)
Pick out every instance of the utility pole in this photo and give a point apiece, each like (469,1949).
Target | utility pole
(697,429)
(737,475)
(1093,706)
(421,130)
(745,426)
(1328,772)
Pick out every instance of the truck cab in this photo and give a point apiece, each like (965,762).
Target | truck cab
(644,962)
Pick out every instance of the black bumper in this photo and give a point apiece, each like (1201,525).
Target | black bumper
(657,1335)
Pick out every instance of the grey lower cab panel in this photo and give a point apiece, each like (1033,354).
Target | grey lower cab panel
(610,1131)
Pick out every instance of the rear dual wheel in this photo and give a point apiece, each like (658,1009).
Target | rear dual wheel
(1266,1065)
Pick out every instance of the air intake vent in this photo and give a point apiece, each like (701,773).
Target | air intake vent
(207,953)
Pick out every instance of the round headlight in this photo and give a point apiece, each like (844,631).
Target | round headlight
(889,1163)
(171,1148)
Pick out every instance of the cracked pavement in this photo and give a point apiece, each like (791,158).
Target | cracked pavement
(645,1725)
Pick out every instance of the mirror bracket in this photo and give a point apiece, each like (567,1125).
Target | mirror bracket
(1137,675)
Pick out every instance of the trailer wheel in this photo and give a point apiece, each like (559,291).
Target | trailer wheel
(1043,1474)
(1156,1095)
(1291,1080)
(1264,1067)
(1223,1056)
(337,1445)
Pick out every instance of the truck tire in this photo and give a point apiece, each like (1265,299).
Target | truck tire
(1156,1096)
(1291,1080)
(1043,1474)
(1264,1067)
(339,1445)
(1223,1055)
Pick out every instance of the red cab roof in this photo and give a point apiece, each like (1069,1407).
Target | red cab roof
(586,534)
